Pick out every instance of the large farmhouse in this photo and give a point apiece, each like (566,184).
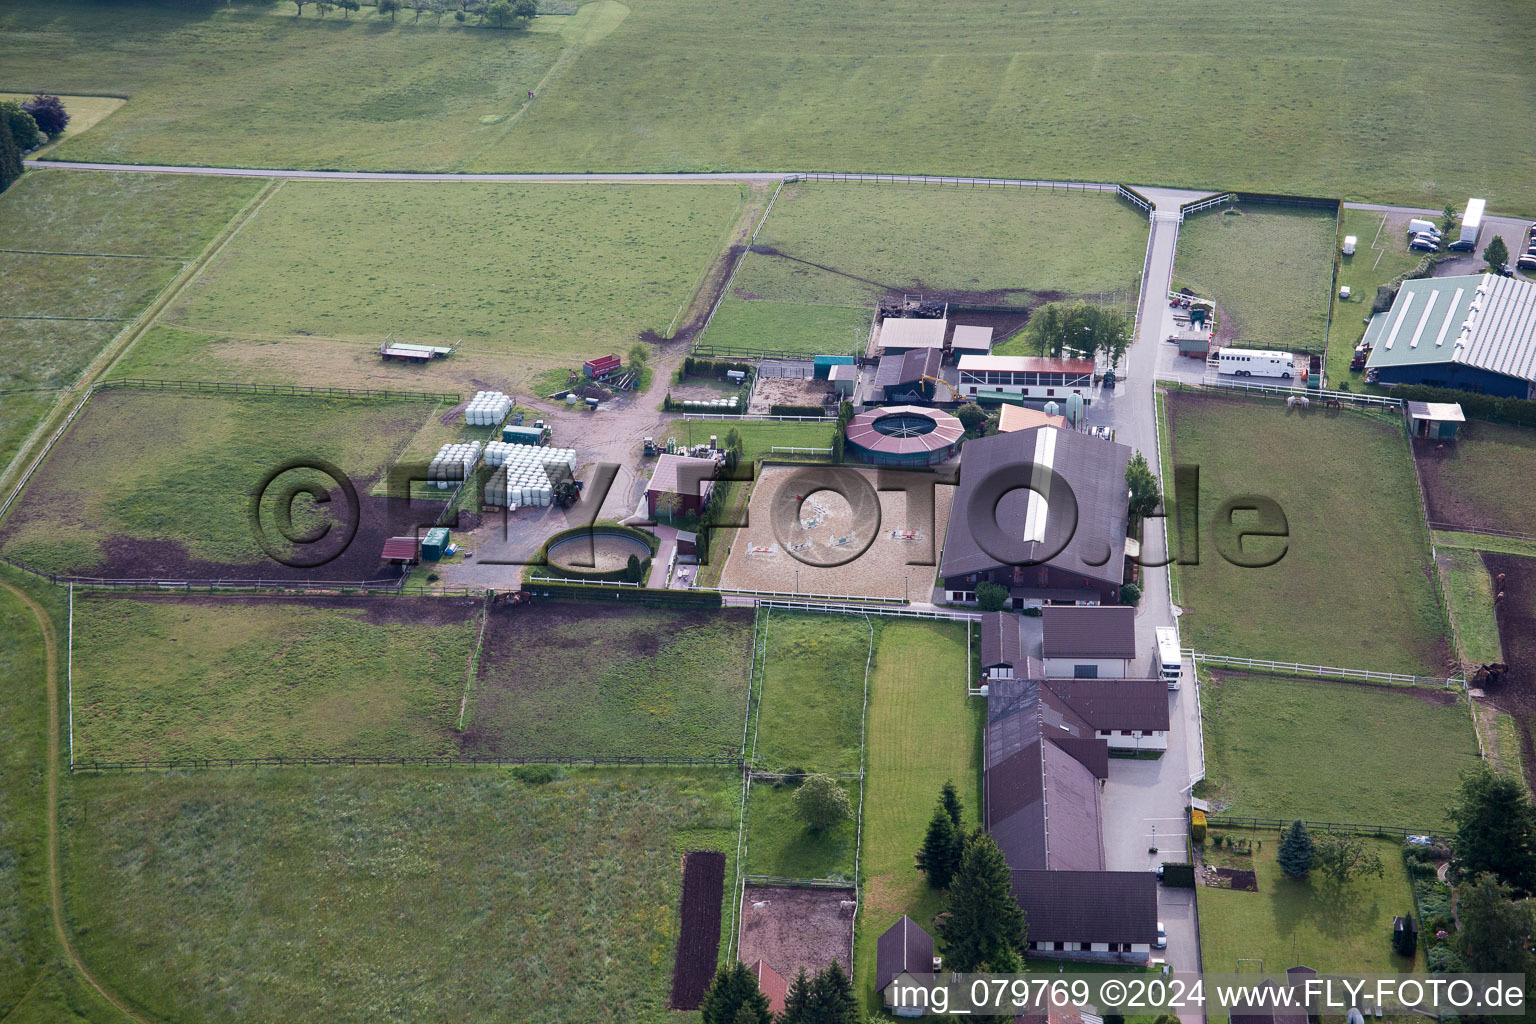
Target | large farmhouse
(1042,512)
(1475,333)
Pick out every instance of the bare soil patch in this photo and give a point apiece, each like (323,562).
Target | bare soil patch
(1516,615)
(771,391)
(1239,879)
(698,937)
(796,928)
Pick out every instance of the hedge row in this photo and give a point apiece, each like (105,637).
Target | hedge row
(638,595)
(1518,411)
(696,367)
(796,410)
(1180,876)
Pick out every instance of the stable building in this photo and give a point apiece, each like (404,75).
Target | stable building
(1088,642)
(690,479)
(1011,378)
(1472,333)
(902,955)
(908,377)
(1001,645)
(903,334)
(1050,521)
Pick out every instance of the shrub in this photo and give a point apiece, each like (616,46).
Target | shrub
(1130,593)
(990,597)
(1180,876)
(48,112)
(1197,825)
(796,410)
(1445,960)
(536,774)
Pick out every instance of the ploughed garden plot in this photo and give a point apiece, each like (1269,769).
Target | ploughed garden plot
(379,893)
(168,677)
(1484,480)
(698,939)
(580,679)
(790,927)
(159,485)
(1515,692)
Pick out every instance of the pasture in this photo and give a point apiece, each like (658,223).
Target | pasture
(158,484)
(1289,101)
(847,244)
(540,271)
(1469,593)
(342,895)
(810,712)
(1332,928)
(1352,586)
(779,844)
(758,437)
(1269,270)
(1272,746)
(792,327)
(922,732)
(559,678)
(166,677)
(1486,480)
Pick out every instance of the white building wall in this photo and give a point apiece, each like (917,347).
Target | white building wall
(1066,668)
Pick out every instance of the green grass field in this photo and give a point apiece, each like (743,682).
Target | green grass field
(1469,591)
(1288,102)
(228,677)
(810,713)
(143,467)
(84,112)
(1483,542)
(595,679)
(758,437)
(80,287)
(778,843)
(25,942)
(1487,480)
(844,244)
(922,732)
(115,214)
(1272,744)
(759,326)
(1333,929)
(1269,269)
(536,270)
(342,895)
(1352,588)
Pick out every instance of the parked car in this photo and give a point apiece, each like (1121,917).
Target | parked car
(1162,937)
(1423,243)
(1526,263)
(1503,270)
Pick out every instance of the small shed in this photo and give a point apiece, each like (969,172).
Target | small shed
(1435,419)
(1001,645)
(821,366)
(842,378)
(771,984)
(399,550)
(524,435)
(904,949)
(969,340)
(435,544)
(687,546)
(689,478)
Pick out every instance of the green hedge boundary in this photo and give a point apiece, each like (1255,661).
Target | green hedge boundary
(634,595)
(650,540)
(1518,411)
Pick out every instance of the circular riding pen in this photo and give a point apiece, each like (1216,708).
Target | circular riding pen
(599,552)
(904,435)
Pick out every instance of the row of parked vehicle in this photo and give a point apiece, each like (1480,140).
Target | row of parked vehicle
(1424,236)
(1527,260)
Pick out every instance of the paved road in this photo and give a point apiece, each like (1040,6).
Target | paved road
(1144,801)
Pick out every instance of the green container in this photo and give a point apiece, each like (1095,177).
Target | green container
(435,544)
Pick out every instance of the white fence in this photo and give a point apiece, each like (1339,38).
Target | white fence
(776,449)
(751,417)
(1292,668)
(1201,205)
(943,614)
(957,182)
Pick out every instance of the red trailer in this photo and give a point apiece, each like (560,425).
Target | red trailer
(601,367)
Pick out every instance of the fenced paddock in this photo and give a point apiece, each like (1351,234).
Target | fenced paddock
(1268,666)
(445,761)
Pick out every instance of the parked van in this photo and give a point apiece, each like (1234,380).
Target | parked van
(1170,664)
(1420,226)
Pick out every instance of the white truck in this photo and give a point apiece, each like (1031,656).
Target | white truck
(1169,664)
(1471,225)
(1254,362)
(1420,226)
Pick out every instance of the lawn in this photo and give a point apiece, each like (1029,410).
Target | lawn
(1352,588)
(758,437)
(792,327)
(84,112)
(19,413)
(373,894)
(1381,253)
(922,732)
(537,270)
(154,483)
(1269,270)
(116,214)
(1331,928)
(842,244)
(1484,542)
(562,678)
(1486,480)
(1469,591)
(810,713)
(1273,744)
(80,287)
(779,844)
(1063,93)
(235,677)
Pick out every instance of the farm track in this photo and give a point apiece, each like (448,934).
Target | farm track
(55,877)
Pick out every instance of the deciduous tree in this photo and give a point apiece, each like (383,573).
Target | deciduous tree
(971,415)
(1495,929)
(389,7)
(500,13)
(1295,855)
(10,161)
(21,126)
(1342,858)
(347,7)
(990,597)
(1146,495)
(985,925)
(822,803)
(49,113)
